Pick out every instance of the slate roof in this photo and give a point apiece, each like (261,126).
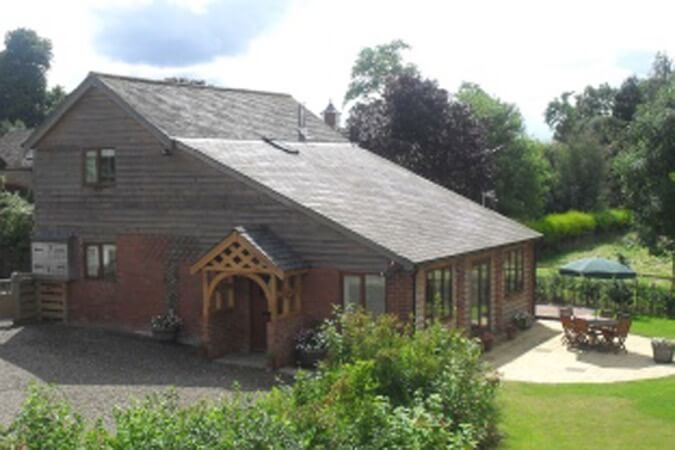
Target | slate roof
(11,151)
(272,247)
(211,112)
(385,204)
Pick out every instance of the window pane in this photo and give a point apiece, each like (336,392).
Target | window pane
(107,165)
(92,261)
(351,290)
(447,293)
(90,167)
(109,261)
(375,294)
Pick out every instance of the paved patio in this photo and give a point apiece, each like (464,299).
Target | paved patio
(97,370)
(538,356)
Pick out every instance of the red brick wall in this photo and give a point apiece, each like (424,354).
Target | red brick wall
(139,291)
(400,296)
(280,337)
(503,307)
(321,290)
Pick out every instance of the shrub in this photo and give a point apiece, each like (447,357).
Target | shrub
(382,386)
(561,227)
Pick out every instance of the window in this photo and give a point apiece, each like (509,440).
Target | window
(100,261)
(99,167)
(514,271)
(480,296)
(439,294)
(367,291)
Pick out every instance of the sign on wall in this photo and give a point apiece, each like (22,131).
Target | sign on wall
(50,259)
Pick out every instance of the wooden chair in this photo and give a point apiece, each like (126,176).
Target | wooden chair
(566,312)
(620,335)
(583,333)
(568,337)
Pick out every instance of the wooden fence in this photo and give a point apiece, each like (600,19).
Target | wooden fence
(23,298)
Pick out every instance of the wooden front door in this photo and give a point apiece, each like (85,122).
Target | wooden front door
(259,318)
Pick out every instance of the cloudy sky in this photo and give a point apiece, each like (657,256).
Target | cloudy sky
(526,52)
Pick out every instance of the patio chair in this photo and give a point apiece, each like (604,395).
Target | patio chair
(566,312)
(583,335)
(568,337)
(620,335)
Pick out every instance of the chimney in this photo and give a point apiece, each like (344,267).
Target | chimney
(302,123)
(331,115)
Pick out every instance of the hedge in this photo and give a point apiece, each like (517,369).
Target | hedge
(560,227)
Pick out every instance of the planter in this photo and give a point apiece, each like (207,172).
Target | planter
(164,334)
(663,351)
(523,321)
(309,359)
(511,332)
(488,340)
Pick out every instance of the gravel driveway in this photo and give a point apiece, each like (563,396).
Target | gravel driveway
(97,369)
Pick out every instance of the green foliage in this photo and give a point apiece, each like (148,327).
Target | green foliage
(382,386)
(23,84)
(522,173)
(46,421)
(559,227)
(374,66)
(16,221)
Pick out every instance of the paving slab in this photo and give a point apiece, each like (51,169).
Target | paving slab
(539,356)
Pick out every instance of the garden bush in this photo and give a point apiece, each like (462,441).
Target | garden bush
(383,385)
(569,225)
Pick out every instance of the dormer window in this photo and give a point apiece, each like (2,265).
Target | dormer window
(99,167)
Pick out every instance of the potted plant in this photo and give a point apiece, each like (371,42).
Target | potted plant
(663,350)
(523,320)
(165,326)
(511,331)
(310,347)
(487,339)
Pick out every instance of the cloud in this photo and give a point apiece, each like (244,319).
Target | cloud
(171,33)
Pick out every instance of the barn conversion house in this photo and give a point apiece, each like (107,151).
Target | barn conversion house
(252,217)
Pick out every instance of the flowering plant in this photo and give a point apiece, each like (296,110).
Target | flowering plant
(310,340)
(523,320)
(168,321)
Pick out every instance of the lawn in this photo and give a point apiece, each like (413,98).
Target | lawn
(653,327)
(609,247)
(634,415)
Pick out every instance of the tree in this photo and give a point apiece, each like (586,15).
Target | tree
(521,171)
(417,126)
(579,174)
(627,99)
(646,168)
(23,83)
(374,66)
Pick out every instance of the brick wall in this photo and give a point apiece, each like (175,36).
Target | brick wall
(502,307)
(400,295)
(321,290)
(139,291)
(280,337)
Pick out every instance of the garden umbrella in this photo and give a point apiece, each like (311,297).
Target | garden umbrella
(597,268)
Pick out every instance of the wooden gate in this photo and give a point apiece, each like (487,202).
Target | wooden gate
(52,297)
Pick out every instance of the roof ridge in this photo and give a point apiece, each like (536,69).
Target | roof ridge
(186,85)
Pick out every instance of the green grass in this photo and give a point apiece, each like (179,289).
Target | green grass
(654,327)
(608,247)
(635,415)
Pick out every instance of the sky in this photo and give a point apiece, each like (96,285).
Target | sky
(524,52)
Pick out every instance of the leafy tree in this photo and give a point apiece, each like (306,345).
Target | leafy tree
(417,126)
(627,99)
(521,169)
(646,168)
(23,83)
(374,66)
(579,174)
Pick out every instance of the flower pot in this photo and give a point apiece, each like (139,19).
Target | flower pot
(488,341)
(164,334)
(511,332)
(663,353)
(309,359)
